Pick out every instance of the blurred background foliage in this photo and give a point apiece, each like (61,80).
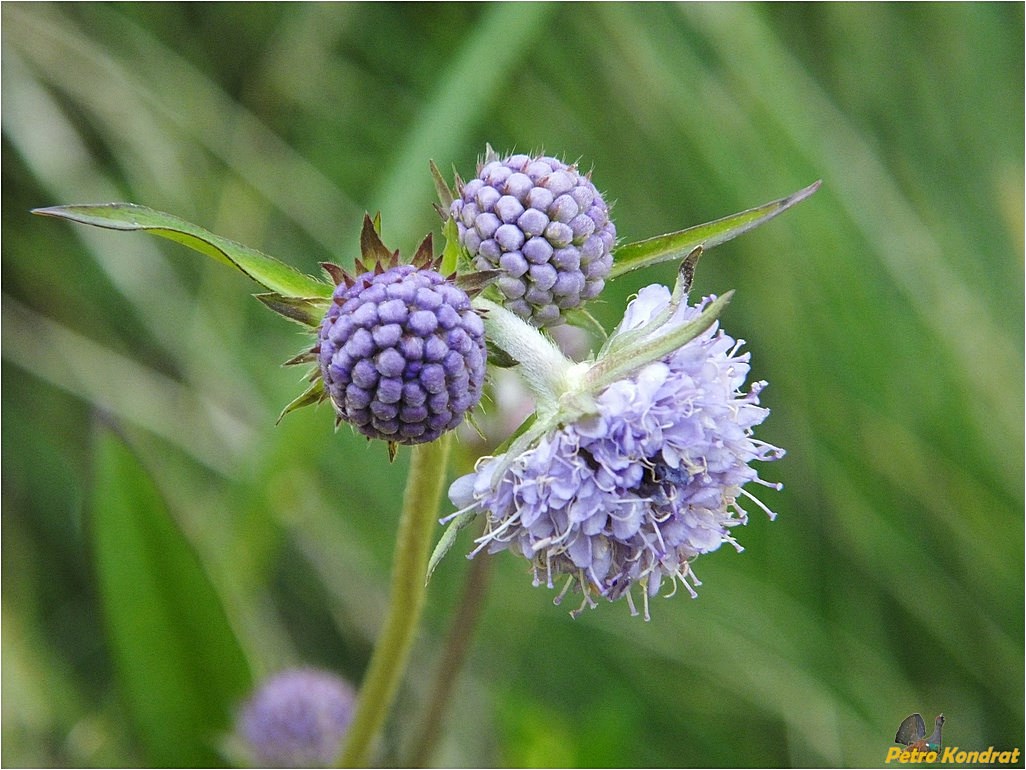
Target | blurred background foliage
(886,312)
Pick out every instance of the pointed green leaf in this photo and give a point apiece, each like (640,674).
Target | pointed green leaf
(265,270)
(620,360)
(445,194)
(305,310)
(621,340)
(445,542)
(178,662)
(452,249)
(476,282)
(663,248)
(307,356)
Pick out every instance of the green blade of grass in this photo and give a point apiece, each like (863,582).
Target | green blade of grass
(479,67)
(180,666)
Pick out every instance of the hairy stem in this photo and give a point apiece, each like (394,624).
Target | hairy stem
(409,565)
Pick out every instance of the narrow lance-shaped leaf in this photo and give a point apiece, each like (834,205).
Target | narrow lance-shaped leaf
(685,277)
(445,193)
(271,273)
(663,248)
(448,538)
(618,364)
(459,521)
(451,251)
(582,319)
(179,664)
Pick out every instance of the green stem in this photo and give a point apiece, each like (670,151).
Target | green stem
(454,651)
(409,565)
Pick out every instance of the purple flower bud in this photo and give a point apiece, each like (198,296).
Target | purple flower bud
(543,276)
(513,264)
(559,234)
(533,222)
(508,208)
(563,209)
(540,198)
(510,237)
(486,225)
(536,207)
(379,330)
(511,287)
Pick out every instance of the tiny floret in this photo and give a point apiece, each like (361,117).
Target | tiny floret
(631,492)
(401,351)
(544,226)
(297,718)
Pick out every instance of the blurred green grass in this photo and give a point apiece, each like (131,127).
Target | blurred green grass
(886,312)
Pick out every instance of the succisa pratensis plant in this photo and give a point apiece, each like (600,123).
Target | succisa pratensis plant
(633,463)
(298,717)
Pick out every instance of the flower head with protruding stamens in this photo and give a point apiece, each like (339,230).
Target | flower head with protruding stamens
(632,489)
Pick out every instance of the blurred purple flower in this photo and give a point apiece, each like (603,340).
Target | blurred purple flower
(297,718)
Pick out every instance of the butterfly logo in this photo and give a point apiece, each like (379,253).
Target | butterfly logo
(912,733)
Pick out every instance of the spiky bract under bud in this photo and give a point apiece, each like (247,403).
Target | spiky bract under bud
(541,223)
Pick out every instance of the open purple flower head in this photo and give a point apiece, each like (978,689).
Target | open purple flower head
(297,718)
(632,493)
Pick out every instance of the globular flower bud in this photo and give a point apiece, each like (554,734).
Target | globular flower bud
(544,226)
(297,718)
(401,351)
